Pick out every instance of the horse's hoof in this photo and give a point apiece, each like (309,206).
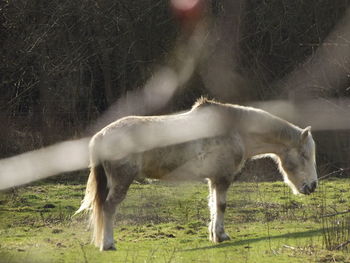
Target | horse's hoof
(108,248)
(219,238)
(223,237)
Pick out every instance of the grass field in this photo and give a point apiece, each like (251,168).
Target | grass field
(168,223)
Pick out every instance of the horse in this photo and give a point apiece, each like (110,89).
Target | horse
(211,141)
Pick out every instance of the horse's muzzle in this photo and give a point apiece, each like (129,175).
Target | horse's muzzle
(308,189)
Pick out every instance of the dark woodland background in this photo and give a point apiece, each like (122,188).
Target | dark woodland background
(63,63)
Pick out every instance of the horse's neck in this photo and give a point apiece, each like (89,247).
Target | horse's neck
(258,148)
(262,132)
(266,134)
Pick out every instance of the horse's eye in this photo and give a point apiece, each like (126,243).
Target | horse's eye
(304,156)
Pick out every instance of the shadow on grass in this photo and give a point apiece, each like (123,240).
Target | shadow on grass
(304,234)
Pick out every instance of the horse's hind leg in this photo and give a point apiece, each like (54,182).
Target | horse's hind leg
(217,205)
(109,209)
(119,184)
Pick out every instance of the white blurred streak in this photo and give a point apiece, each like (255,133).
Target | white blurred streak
(157,92)
(35,165)
(160,88)
(218,71)
(73,155)
(281,108)
(189,52)
(146,135)
(321,114)
(326,114)
(327,68)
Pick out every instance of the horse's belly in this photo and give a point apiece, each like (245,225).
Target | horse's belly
(155,172)
(192,161)
(159,163)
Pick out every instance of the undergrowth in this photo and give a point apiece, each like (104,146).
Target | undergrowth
(168,223)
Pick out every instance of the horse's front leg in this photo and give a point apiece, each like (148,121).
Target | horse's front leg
(217,205)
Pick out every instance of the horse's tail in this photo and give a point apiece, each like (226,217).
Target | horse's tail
(95,193)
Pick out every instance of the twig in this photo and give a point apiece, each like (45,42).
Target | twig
(340,170)
(338,213)
(84,254)
(290,247)
(323,44)
(340,246)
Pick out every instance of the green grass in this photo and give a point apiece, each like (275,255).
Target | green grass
(168,223)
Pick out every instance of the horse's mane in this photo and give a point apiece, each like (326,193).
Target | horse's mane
(255,120)
(202,101)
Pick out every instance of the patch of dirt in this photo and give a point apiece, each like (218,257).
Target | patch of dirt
(56,231)
(49,206)
(190,232)
(333,258)
(161,235)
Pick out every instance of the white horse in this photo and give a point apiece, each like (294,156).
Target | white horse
(211,141)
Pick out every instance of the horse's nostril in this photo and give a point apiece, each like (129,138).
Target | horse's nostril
(308,189)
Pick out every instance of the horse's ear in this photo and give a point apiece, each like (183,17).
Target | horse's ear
(305,133)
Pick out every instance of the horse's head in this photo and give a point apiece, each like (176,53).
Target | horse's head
(298,164)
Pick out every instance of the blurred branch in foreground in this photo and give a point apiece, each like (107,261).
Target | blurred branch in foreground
(217,56)
(326,70)
(39,164)
(166,80)
(158,90)
(73,155)
(321,114)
